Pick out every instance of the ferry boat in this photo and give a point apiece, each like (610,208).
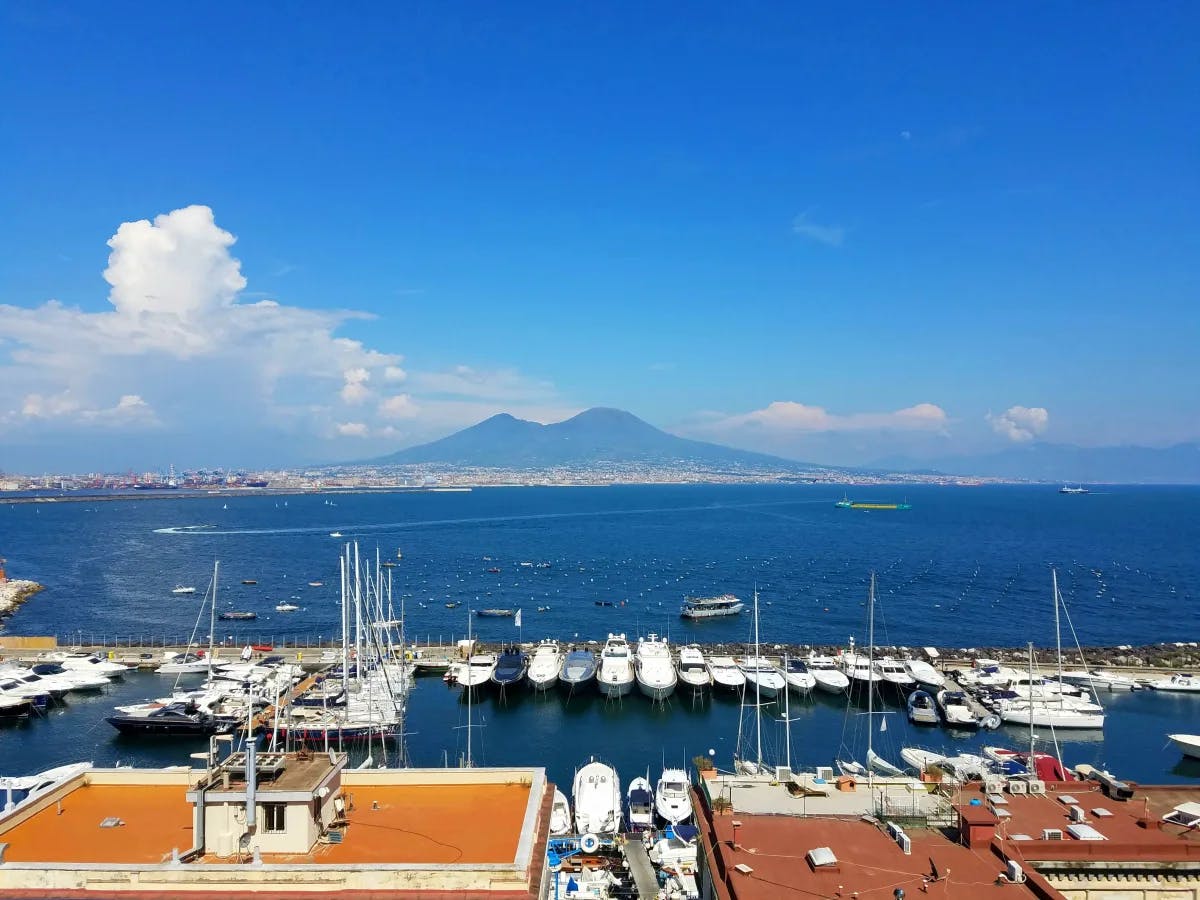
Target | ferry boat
(707,607)
(1078,489)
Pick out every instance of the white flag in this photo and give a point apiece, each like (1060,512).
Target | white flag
(517,620)
(883,724)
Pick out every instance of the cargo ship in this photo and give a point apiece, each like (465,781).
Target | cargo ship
(847,503)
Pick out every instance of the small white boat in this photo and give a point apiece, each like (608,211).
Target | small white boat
(560,815)
(956,711)
(655,673)
(180,589)
(478,670)
(671,798)
(597,797)
(825,671)
(89,663)
(1188,743)
(725,673)
(544,665)
(797,676)
(1180,684)
(1048,714)
(762,677)
(894,673)
(640,800)
(925,675)
(1100,680)
(286,607)
(921,709)
(335,534)
(615,674)
(693,671)
(184,664)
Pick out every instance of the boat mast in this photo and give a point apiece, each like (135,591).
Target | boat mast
(1031,767)
(212,617)
(1057,631)
(787,716)
(470,652)
(757,689)
(870,683)
(345,636)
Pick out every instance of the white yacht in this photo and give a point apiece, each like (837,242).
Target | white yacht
(955,710)
(1049,714)
(1098,679)
(826,673)
(180,589)
(21,790)
(544,665)
(88,662)
(478,670)
(762,676)
(640,800)
(797,676)
(692,670)
(709,607)
(184,664)
(1181,684)
(597,796)
(560,815)
(924,674)
(1188,743)
(859,671)
(671,797)
(615,674)
(894,673)
(655,672)
(725,673)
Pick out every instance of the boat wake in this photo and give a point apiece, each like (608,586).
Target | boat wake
(471,520)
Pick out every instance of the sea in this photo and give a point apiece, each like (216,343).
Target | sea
(964,567)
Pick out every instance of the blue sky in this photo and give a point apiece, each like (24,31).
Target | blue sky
(834,233)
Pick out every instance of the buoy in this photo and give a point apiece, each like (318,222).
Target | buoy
(589,843)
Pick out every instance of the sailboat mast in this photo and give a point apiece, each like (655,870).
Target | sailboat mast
(787,716)
(470,652)
(212,616)
(1057,630)
(1030,705)
(345,630)
(870,681)
(757,689)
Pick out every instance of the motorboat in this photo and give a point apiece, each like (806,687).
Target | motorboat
(77,680)
(859,670)
(797,676)
(692,670)
(1099,680)
(959,768)
(237,616)
(15,707)
(826,673)
(671,799)
(510,667)
(184,664)
(180,589)
(956,711)
(711,607)
(495,613)
(597,797)
(653,669)
(1188,743)
(57,686)
(924,674)
(88,662)
(578,668)
(615,674)
(477,671)
(1182,683)
(544,665)
(286,607)
(1016,762)
(17,791)
(640,803)
(725,673)
(335,534)
(762,677)
(560,815)
(921,709)
(173,720)
(894,672)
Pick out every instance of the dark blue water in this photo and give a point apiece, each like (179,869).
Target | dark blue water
(964,567)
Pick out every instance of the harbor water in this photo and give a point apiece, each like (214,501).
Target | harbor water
(964,567)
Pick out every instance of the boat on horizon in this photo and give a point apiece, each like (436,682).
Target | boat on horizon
(1077,489)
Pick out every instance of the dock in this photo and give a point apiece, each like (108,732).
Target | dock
(635,855)
(978,710)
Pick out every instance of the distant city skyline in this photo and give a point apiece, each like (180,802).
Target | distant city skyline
(834,236)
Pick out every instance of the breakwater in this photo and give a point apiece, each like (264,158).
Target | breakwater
(14,592)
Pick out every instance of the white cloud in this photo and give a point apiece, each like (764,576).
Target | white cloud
(786,416)
(394,373)
(830,235)
(401,406)
(1020,423)
(353,429)
(493,384)
(355,389)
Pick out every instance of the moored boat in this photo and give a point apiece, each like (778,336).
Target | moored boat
(956,711)
(597,797)
(510,667)
(544,665)
(1189,744)
(826,673)
(639,800)
(578,668)
(1183,683)
(797,676)
(921,709)
(725,673)
(237,616)
(615,673)
(671,797)
(560,815)
(654,671)
(692,669)
(495,613)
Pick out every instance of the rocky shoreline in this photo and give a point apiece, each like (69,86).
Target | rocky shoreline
(15,592)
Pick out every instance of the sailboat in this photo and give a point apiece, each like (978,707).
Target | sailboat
(741,764)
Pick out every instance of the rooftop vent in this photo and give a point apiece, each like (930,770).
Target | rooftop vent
(1052,834)
(111,822)
(821,858)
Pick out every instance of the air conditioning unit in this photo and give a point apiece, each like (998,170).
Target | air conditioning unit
(825,773)
(1018,787)
(1077,814)
(993,785)
(1036,786)
(1013,873)
(905,843)
(1052,834)
(783,774)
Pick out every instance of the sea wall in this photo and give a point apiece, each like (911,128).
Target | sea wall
(14,592)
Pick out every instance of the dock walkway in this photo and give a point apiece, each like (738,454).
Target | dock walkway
(639,866)
(978,710)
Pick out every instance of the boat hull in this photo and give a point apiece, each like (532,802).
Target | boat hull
(615,687)
(656,691)
(1188,744)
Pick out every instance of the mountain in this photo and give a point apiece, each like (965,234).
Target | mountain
(595,436)
(1179,464)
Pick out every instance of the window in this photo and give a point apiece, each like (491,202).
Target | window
(274,817)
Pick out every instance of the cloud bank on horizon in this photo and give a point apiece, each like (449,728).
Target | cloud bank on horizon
(182,352)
